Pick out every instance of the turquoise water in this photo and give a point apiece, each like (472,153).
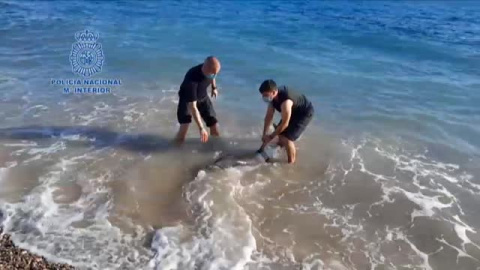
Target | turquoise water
(411,67)
(397,80)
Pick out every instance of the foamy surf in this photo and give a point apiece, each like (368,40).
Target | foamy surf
(221,236)
(93,197)
(66,216)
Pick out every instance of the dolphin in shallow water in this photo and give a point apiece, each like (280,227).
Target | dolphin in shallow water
(244,159)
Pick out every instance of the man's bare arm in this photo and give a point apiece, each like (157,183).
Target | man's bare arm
(214,92)
(268,119)
(196,116)
(286,114)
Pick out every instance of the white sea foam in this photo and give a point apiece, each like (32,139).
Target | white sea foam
(45,227)
(222,236)
(429,192)
(21,144)
(461,228)
(56,147)
(461,253)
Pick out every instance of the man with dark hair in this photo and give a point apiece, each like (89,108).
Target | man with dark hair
(297,112)
(194,100)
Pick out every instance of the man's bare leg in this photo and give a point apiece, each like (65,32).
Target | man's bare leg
(290,147)
(214,130)
(291,152)
(182,133)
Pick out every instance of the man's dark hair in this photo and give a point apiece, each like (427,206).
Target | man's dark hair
(267,85)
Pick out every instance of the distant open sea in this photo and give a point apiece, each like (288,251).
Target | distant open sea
(388,173)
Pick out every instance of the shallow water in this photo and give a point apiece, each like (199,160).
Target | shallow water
(387,175)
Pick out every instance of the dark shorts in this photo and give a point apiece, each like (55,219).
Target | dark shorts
(204,106)
(298,124)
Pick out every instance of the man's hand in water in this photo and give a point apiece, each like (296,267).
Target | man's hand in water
(267,138)
(214,93)
(203,135)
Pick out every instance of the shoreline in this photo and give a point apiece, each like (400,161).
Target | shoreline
(13,257)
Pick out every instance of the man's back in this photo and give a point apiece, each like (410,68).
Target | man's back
(300,102)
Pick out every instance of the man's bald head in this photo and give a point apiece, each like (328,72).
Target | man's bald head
(211,65)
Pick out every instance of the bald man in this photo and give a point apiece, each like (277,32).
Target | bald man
(194,101)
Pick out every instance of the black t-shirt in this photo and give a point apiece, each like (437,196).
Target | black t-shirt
(300,103)
(194,85)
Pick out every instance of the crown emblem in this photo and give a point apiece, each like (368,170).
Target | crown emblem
(86,36)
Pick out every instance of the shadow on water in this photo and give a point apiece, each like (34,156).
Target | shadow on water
(97,137)
(101,137)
